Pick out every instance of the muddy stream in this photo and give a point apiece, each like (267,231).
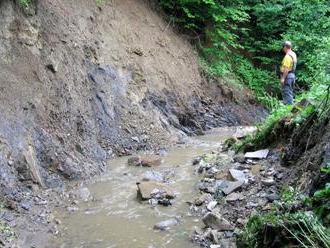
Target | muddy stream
(115,218)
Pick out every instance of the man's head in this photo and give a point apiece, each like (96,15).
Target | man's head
(286,46)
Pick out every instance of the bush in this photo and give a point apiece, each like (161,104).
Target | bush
(285,118)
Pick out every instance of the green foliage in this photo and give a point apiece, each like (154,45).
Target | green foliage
(263,83)
(299,228)
(306,23)
(320,201)
(6,232)
(216,22)
(290,222)
(243,38)
(270,127)
(100,2)
(25,3)
(265,130)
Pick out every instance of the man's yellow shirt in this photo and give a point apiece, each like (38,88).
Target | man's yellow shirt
(287,62)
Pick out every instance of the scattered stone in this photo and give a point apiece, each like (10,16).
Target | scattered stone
(212,172)
(57,221)
(166,224)
(228,187)
(138,51)
(153,202)
(26,205)
(222,175)
(262,202)
(136,139)
(227,243)
(252,205)
(279,176)
(7,216)
(153,176)
(198,230)
(261,154)
(233,197)
(216,221)
(237,175)
(228,234)
(272,197)
(215,246)
(270,172)
(268,181)
(148,190)
(267,207)
(208,180)
(210,190)
(239,158)
(241,221)
(214,236)
(72,209)
(83,194)
(147,161)
(134,161)
(211,205)
(165,202)
(202,199)
(250,161)
(52,67)
(196,161)
(241,132)
(255,169)
(33,167)
(162,152)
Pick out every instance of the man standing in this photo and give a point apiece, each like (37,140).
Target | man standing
(288,76)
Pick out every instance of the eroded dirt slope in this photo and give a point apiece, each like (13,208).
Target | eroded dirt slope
(81,83)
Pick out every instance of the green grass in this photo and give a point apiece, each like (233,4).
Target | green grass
(270,129)
(299,228)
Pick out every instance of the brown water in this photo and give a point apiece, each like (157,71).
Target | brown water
(116,219)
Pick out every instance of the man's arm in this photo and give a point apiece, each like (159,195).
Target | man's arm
(284,75)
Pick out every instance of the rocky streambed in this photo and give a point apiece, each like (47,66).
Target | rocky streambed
(194,195)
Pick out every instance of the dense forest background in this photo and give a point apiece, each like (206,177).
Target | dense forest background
(243,38)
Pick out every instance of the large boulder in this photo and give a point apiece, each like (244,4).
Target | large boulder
(228,187)
(146,161)
(150,189)
(215,221)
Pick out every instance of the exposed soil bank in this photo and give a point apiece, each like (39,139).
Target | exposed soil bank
(80,84)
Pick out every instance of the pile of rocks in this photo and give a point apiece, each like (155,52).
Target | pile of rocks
(231,189)
(154,186)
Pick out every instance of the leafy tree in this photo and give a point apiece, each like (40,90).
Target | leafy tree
(244,38)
